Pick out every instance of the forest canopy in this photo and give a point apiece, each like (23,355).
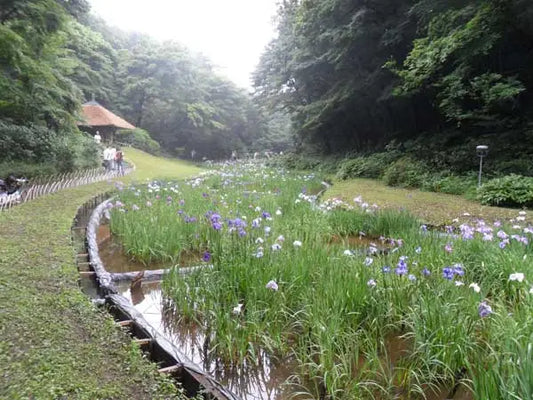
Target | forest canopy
(340,77)
(355,74)
(55,55)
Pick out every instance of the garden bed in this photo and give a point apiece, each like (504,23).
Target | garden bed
(435,315)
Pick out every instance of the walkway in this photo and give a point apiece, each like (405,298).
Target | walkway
(53,342)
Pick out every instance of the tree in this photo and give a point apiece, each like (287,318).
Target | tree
(355,74)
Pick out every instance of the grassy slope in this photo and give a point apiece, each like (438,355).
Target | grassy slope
(433,208)
(53,342)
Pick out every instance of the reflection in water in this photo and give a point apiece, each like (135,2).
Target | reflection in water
(266,381)
(270,379)
(116,260)
(136,290)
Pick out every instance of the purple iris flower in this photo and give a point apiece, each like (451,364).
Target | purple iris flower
(215,218)
(239,223)
(484,310)
(448,273)
(426,272)
(411,277)
(467,232)
(458,269)
(216,226)
(266,215)
(206,257)
(385,269)
(502,235)
(401,268)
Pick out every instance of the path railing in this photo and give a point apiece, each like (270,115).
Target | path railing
(45,185)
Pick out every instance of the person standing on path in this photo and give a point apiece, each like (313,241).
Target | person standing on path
(119,158)
(107,159)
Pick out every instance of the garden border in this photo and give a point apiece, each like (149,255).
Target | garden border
(47,185)
(192,377)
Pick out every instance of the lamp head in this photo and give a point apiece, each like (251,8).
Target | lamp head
(482,150)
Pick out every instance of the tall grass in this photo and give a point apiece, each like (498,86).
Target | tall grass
(398,318)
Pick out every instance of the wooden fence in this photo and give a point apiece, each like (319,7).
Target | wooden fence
(45,185)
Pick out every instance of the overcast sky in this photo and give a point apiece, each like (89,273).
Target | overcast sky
(232,33)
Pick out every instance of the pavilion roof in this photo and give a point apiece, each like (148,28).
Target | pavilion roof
(96,115)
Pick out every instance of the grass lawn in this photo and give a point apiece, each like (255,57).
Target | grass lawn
(150,167)
(432,208)
(53,342)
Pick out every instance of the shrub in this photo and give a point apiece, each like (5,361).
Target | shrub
(140,139)
(27,149)
(405,172)
(305,163)
(511,190)
(24,169)
(449,183)
(519,166)
(35,144)
(371,166)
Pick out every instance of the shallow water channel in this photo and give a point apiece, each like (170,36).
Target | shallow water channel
(263,382)
(268,381)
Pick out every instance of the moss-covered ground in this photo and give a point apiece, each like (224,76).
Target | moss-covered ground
(432,208)
(54,344)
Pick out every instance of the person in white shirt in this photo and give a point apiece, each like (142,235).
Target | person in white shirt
(108,158)
(113,152)
(97,137)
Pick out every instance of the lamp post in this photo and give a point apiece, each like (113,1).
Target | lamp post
(481,151)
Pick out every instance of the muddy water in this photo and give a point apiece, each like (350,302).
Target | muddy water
(116,260)
(266,382)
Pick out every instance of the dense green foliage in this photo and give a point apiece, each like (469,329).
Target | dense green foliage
(398,313)
(139,139)
(36,150)
(176,95)
(54,56)
(356,74)
(512,190)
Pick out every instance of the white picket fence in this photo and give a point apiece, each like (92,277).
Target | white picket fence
(42,186)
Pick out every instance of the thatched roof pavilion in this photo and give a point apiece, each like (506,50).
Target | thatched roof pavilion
(98,119)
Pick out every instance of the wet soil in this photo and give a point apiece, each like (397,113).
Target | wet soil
(361,241)
(115,259)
